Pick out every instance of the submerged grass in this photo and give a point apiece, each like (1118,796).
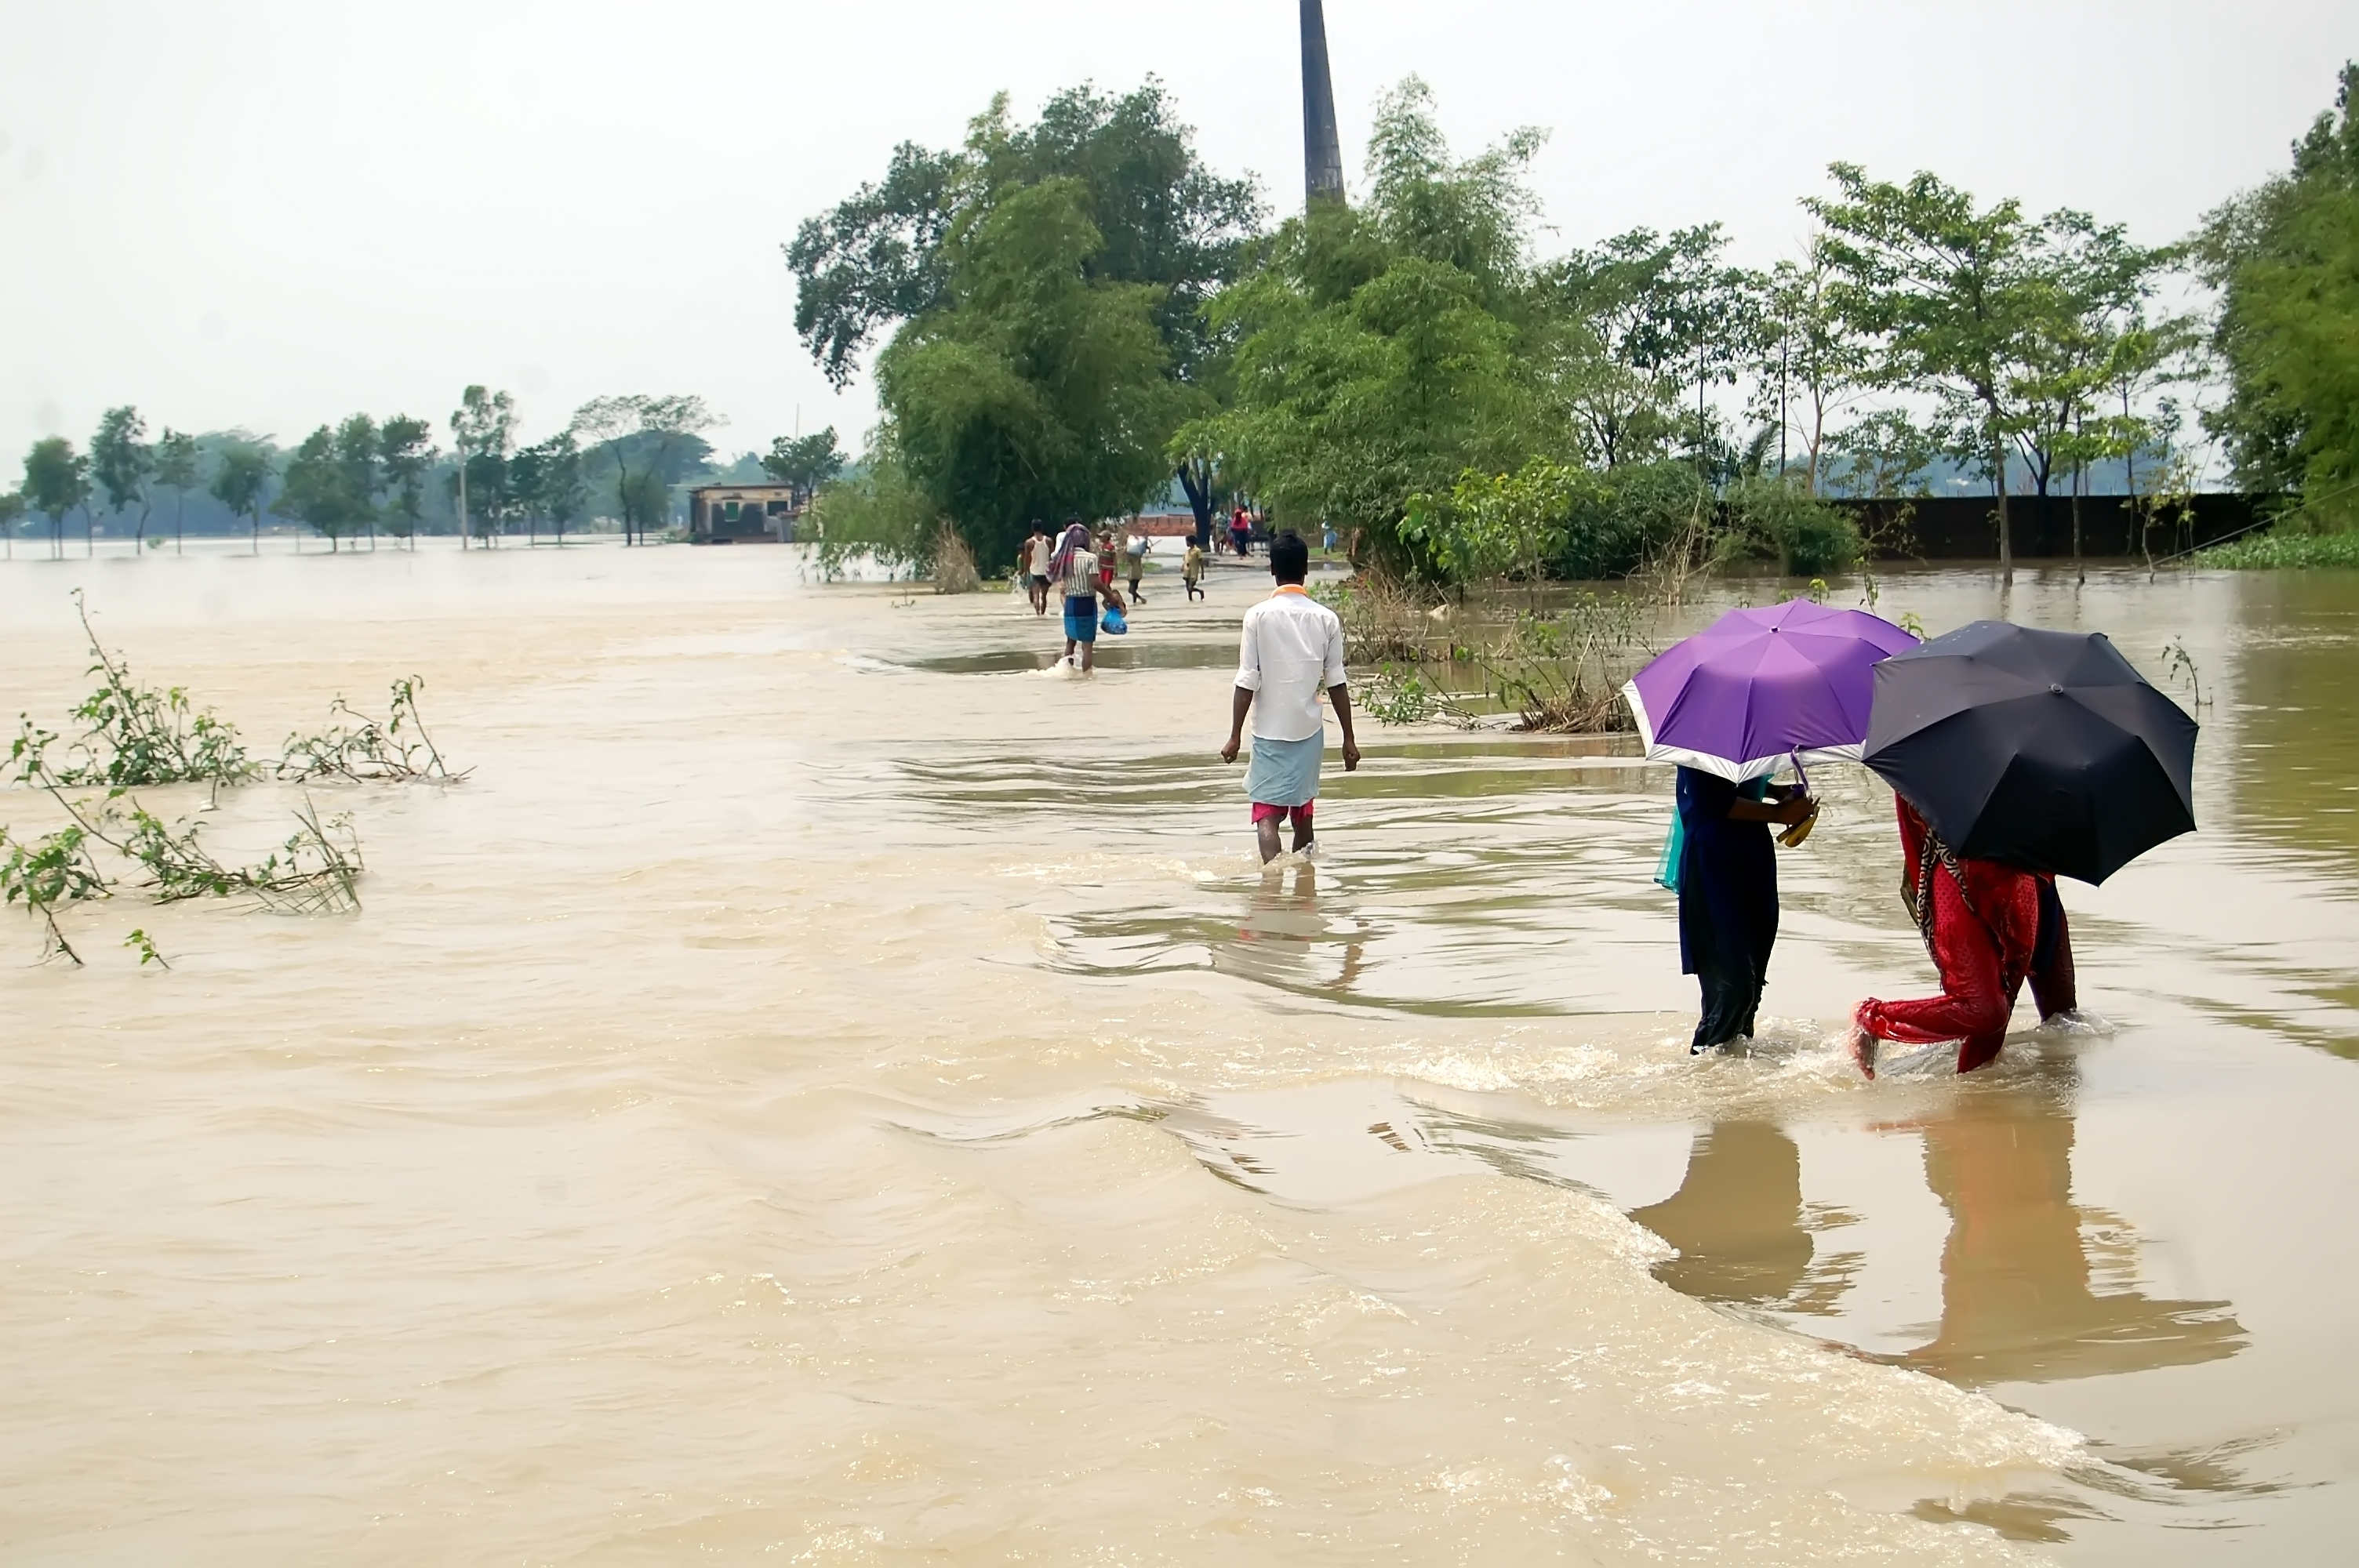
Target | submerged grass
(1500,650)
(2288,551)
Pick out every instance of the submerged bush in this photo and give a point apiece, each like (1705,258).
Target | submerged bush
(2273,550)
(1554,519)
(1777,519)
(133,734)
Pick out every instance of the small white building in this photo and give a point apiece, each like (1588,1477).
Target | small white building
(742,514)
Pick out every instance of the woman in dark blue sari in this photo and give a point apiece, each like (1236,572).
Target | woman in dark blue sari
(1728,894)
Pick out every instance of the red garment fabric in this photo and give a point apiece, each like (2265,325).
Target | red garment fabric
(1982,931)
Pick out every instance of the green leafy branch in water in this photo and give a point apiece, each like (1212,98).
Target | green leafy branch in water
(52,871)
(316,871)
(368,751)
(2179,664)
(134,734)
(144,945)
(1401,694)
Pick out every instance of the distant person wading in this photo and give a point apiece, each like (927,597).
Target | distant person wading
(1075,566)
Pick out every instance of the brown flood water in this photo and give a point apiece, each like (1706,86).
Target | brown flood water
(826,1090)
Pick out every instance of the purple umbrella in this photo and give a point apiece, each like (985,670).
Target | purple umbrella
(1759,685)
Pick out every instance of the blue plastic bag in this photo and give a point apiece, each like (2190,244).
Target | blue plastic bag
(1667,869)
(1113,623)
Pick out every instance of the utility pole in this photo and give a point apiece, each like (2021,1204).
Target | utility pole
(1323,150)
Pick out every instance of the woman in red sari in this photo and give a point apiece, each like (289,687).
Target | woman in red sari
(1989,927)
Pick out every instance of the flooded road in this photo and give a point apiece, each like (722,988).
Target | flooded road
(828,1089)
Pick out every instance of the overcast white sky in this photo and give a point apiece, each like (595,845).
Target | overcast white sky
(273,214)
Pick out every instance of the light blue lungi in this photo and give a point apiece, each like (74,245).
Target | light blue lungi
(1284,772)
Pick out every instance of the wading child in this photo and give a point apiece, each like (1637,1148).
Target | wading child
(1292,647)
(1191,571)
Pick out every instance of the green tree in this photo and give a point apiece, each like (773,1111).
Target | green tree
(1039,389)
(1621,327)
(1382,349)
(2098,284)
(887,254)
(649,443)
(57,480)
(2285,259)
(483,431)
(360,468)
(1955,296)
(1882,453)
(549,483)
(405,452)
(121,463)
(12,517)
(177,469)
(1809,364)
(804,462)
(323,489)
(242,476)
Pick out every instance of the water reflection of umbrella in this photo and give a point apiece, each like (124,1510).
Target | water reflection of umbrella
(1759,685)
(2043,749)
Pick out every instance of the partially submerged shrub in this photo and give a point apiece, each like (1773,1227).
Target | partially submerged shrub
(1401,694)
(137,736)
(366,751)
(2289,549)
(954,563)
(1562,669)
(1775,518)
(133,734)
(53,870)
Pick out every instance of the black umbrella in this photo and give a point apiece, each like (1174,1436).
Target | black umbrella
(2043,749)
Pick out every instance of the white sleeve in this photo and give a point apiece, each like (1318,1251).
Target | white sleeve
(1249,656)
(1333,676)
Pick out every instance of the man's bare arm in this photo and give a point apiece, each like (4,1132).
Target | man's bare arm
(1240,703)
(1340,696)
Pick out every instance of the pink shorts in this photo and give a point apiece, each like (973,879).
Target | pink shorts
(1262,812)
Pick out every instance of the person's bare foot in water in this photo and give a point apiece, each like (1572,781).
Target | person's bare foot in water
(1862,1051)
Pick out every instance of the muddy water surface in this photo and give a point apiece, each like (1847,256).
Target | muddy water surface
(828,1088)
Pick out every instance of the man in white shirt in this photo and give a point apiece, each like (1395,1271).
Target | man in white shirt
(1037,549)
(1292,648)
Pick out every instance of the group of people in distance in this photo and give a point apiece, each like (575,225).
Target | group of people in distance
(1079,570)
(1989,926)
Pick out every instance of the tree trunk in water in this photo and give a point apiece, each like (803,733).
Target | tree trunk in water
(2006,528)
(2080,571)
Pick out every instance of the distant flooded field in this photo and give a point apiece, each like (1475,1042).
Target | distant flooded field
(829,1087)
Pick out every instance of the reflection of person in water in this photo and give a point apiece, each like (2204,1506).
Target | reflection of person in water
(2018,1297)
(1286,924)
(1737,1218)
(1989,927)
